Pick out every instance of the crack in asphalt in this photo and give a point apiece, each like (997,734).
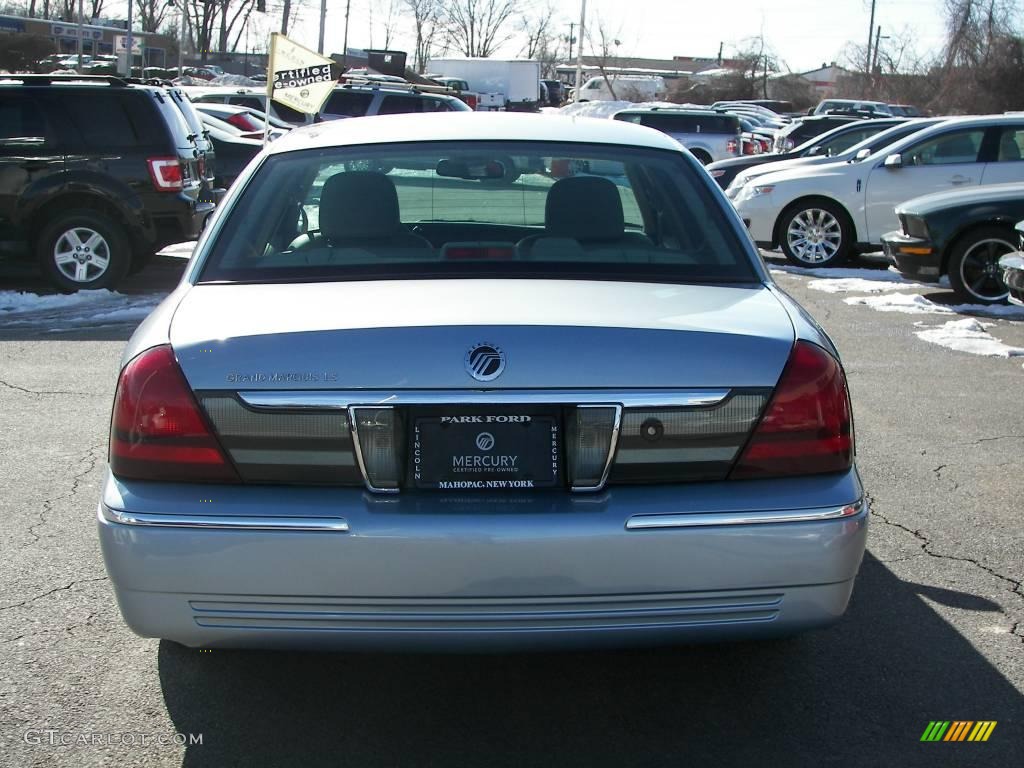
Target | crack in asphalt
(87,622)
(40,596)
(990,439)
(926,543)
(39,392)
(76,482)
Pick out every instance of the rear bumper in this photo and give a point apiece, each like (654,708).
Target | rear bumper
(479,572)
(182,220)
(914,257)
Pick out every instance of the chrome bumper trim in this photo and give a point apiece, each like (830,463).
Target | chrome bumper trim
(613,444)
(225,522)
(321,399)
(708,519)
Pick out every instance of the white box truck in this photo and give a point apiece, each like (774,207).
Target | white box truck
(511,84)
(635,88)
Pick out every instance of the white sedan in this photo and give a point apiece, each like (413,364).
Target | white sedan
(821,215)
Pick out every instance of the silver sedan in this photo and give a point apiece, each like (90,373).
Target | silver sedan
(479,382)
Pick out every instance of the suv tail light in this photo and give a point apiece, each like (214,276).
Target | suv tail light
(730,146)
(166,174)
(242,121)
(807,427)
(157,431)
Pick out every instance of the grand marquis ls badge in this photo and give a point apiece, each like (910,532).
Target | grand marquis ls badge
(485,362)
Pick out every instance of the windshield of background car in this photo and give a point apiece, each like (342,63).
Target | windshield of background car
(478,209)
(683,123)
(883,139)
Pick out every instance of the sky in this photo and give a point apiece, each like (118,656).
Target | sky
(803,34)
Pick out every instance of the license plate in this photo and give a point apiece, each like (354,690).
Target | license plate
(486,450)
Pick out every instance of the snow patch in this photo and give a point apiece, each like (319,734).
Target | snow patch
(235,80)
(59,312)
(908,303)
(915,304)
(968,335)
(878,275)
(854,285)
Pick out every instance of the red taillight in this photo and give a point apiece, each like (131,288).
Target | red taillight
(730,146)
(166,173)
(807,427)
(157,431)
(242,122)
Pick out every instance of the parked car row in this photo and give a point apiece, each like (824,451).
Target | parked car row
(943,181)
(953,186)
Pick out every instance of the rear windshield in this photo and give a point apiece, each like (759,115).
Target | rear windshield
(120,119)
(669,123)
(478,209)
(192,119)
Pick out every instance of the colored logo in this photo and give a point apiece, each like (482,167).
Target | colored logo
(958,730)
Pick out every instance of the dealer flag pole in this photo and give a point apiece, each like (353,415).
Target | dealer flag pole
(297,77)
(270,87)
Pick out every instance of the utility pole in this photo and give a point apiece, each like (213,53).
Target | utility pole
(878,38)
(323,23)
(579,49)
(721,46)
(572,26)
(344,42)
(81,29)
(871,29)
(181,43)
(128,39)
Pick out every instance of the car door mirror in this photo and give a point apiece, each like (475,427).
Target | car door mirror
(894,161)
(862,155)
(816,151)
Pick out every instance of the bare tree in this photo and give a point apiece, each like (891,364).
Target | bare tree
(479,27)
(286,9)
(151,13)
(604,47)
(290,14)
(391,13)
(426,18)
(538,30)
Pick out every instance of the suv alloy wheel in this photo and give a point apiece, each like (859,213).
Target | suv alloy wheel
(83,250)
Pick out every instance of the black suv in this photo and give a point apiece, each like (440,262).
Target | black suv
(364,99)
(97,174)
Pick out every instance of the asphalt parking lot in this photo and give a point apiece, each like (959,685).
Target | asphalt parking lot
(935,629)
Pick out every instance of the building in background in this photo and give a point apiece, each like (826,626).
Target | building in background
(98,37)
